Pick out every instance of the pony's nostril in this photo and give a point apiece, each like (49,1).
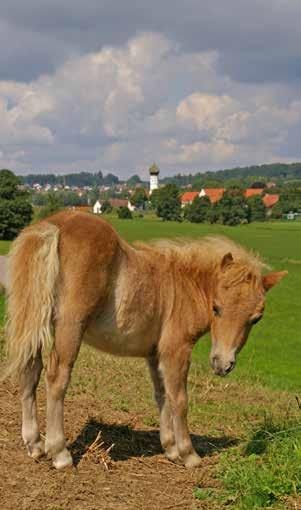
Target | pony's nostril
(230,367)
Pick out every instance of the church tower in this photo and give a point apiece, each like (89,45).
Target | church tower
(153,181)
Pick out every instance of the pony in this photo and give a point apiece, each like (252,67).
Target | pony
(72,278)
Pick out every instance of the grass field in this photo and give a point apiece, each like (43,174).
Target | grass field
(247,426)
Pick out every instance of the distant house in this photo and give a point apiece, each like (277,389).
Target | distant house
(188,197)
(115,203)
(270,200)
(214,195)
(252,192)
(119,202)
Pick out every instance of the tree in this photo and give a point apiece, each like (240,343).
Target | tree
(231,209)
(169,205)
(132,181)
(106,207)
(39,198)
(198,211)
(256,209)
(15,208)
(9,185)
(110,179)
(138,198)
(53,204)
(258,184)
(234,183)
(70,198)
(153,199)
(124,213)
(290,200)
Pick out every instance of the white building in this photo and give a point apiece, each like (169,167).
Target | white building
(115,203)
(97,207)
(154,180)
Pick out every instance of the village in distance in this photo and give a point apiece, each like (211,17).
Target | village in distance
(229,197)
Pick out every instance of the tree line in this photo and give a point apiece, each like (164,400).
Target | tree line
(233,177)
(80,179)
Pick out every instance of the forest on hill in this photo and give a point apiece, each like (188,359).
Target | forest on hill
(278,171)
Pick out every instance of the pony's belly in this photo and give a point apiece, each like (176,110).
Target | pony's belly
(118,343)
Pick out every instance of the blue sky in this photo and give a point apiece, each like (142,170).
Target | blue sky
(115,85)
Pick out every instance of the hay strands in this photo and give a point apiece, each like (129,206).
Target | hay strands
(98,453)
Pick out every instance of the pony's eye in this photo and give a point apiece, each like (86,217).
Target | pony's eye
(216,310)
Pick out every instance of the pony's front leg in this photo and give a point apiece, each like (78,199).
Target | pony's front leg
(29,380)
(174,367)
(167,435)
(60,363)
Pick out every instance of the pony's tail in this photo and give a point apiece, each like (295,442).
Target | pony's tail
(33,269)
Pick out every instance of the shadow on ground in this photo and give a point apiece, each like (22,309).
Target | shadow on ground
(129,442)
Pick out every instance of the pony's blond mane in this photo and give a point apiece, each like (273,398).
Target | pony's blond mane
(207,252)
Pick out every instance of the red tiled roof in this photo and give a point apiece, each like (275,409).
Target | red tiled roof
(214,194)
(251,192)
(189,196)
(118,202)
(270,200)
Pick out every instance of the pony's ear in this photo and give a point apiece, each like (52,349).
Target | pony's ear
(226,260)
(269,280)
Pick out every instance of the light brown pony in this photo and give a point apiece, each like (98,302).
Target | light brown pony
(72,278)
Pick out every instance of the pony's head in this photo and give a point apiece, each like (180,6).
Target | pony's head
(237,304)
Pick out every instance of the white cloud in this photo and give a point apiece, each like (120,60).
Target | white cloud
(121,108)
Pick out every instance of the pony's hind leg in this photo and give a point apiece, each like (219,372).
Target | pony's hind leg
(29,381)
(59,368)
(167,435)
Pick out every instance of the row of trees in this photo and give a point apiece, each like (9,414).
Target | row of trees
(79,179)
(247,175)
(278,172)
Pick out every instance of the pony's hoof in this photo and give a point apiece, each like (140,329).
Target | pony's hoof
(192,461)
(172,453)
(36,451)
(62,460)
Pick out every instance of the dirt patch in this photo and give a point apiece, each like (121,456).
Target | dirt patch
(138,476)
(133,473)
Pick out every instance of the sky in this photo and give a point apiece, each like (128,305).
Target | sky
(115,85)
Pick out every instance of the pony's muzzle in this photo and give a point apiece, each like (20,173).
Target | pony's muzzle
(221,367)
